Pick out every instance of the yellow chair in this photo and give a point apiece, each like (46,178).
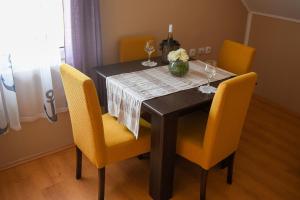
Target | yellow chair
(217,142)
(235,57)
(132,48)
(100,137)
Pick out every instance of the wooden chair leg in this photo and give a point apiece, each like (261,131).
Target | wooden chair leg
(78,163)
(224,164)
(101,176)
(230,168)
(203,181)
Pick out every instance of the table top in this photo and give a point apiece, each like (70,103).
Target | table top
(175,103)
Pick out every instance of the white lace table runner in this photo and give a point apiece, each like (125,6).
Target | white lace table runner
(126,92)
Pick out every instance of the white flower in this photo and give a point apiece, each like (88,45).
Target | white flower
(173,56)
(179,54)
(183,55)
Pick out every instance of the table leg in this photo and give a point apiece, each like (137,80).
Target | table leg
(102,93)
(163,154)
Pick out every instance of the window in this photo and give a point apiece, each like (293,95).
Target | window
(31,38)
(27,26)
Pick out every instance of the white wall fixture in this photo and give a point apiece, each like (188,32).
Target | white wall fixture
(192,53)
(208,50)
(201,51)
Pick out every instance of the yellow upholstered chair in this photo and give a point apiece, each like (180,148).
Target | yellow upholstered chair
(132,48)
(99,137)
(213,139)
(235,57)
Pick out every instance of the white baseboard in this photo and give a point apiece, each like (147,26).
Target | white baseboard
(248,28)
(33,157)
(245,5)
(276,17)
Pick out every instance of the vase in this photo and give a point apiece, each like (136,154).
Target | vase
(179,68)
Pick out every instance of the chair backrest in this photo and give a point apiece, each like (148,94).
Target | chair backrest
(226,117)
(85,113)
(236,57)
(132,48)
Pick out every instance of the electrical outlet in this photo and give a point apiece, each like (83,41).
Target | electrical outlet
(201,51)
(192,52)
(208,50)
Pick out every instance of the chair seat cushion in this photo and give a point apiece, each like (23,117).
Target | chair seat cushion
(191,129)
(121,143)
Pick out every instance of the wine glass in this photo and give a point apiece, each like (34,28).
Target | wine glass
(149,48)
(210,73)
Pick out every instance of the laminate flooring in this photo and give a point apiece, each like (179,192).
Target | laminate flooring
(267,167)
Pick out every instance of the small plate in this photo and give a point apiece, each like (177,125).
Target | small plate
(149,64)
(207,89)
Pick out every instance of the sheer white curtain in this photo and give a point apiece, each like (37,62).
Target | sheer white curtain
(31,35)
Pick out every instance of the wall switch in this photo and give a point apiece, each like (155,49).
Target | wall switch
(192,52)
(201,51)
(208,50)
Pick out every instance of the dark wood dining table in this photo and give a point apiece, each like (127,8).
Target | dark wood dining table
(164,112)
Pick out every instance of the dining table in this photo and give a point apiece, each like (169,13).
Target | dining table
(164,112)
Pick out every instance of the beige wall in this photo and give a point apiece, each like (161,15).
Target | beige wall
(196,23)
(34,139)
(277,60)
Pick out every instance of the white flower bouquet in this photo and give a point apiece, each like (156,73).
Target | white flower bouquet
(179,64)
(179,54)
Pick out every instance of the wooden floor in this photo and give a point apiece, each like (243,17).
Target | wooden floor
(267,167)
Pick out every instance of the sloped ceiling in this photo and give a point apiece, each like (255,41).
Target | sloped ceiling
(282,8)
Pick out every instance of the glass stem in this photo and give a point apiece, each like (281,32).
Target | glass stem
(149,55)
(208,81)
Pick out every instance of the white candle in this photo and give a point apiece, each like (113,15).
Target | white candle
(170,28)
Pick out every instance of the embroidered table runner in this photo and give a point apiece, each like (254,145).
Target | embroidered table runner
(126,92)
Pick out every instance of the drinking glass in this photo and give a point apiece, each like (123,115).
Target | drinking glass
(149,48)
(210,72)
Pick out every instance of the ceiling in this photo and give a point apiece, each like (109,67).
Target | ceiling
(282,8)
